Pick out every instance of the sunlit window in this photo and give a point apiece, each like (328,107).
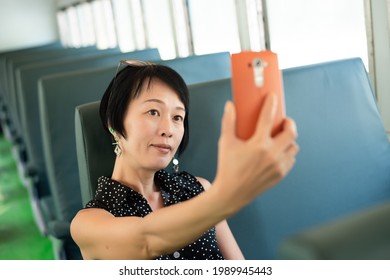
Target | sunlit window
(104,24)
(85,19)
(63,28)
(182,32)
(250,25)
(137,16)
(256,25)
(75,36)
(214,26)
(305,32)
(159,27)
(124,25)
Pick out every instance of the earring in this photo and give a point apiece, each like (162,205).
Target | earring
(117,150)
(175,165)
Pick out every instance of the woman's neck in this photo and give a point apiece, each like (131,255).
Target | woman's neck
(139,179)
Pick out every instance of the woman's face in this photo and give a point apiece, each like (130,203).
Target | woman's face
(154,127)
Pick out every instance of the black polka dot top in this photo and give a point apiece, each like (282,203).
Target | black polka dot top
(121,201)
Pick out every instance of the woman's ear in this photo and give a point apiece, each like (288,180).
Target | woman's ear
(118,149)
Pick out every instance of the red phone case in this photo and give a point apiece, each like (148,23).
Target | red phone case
(255,74)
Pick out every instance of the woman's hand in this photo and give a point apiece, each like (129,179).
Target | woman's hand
(248,168)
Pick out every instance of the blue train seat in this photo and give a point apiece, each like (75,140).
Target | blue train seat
(13,61)
(10,116)
(362,235)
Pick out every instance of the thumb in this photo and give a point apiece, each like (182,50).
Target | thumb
(229,119)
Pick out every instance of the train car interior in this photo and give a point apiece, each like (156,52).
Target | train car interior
(334,57)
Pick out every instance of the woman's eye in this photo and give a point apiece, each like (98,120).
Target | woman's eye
(178,118)
(153,112)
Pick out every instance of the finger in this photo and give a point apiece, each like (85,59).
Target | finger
(228,120)
(289,157)
(266,117)
(292,150)
(290,125)
(286,137)
(289,163)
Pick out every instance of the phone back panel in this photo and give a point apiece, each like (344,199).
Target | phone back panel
(255,74)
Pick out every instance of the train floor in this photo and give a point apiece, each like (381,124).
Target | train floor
(20,238)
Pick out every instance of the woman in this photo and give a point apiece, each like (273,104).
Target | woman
(144,212)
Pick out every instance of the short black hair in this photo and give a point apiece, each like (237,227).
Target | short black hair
(127,85)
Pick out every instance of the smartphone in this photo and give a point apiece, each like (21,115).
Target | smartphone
(255,74)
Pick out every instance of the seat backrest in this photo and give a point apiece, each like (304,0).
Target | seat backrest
(343,163)
(15,61)
(207,101)
(91,138)
(3,59)
(60,94)
(7,54)
(201,68)
(362,235)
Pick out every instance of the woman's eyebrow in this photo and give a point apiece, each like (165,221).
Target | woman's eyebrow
(162,102)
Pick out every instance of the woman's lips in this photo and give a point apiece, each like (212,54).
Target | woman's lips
(165,148)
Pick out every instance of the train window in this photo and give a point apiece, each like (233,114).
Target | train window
(178,28)
(251,25)
(214,26)
(159,27)
(129,22)
(124,25)
(256,25)
(104,24)
(305,32)
(74,27)
(181,28)
(63,28)
(139,23)
(160,24)
(85,20)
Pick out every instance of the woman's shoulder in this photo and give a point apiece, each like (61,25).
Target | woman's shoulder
(109,194)
(204,182)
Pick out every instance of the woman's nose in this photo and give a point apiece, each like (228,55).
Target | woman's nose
(166,127)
